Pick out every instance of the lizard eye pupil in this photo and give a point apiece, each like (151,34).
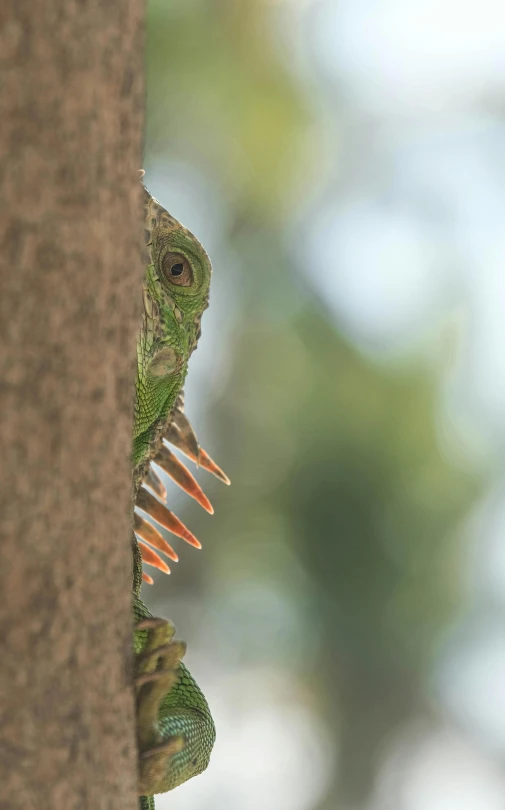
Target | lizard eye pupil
(177,270)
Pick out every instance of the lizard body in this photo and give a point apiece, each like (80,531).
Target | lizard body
(175,730)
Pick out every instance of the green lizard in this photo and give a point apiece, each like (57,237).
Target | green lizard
(175,730)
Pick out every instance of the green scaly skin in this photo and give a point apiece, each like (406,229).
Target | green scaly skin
(175,729)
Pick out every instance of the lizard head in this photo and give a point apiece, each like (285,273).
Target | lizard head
(176,293)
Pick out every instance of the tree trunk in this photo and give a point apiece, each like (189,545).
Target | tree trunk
(71,113)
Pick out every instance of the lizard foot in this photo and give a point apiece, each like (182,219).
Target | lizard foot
(156,672)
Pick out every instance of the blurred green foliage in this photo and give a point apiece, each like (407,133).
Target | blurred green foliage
(220,98)
(342,502)
(344,457)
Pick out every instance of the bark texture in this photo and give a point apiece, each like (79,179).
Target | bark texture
(71,112)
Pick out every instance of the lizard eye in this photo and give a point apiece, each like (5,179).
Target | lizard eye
(177,270)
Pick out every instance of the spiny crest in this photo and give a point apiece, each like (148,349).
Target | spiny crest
(180,434)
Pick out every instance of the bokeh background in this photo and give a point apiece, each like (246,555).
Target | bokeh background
(344,164)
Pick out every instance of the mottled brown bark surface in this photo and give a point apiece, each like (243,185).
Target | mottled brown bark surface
(71,113)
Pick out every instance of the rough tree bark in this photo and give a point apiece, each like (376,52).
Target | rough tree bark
(71,102)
